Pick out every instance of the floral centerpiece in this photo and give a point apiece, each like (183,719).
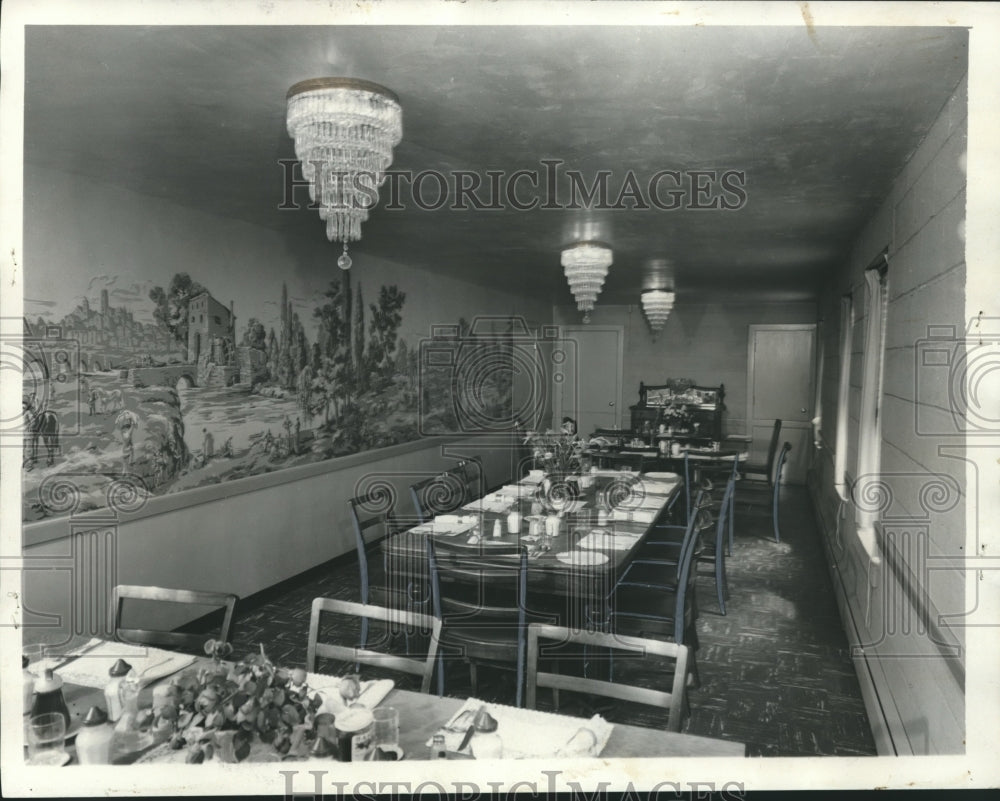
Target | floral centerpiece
(556,452)
(223,710)
(676,416)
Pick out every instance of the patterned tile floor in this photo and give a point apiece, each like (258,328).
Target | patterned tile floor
(775,671)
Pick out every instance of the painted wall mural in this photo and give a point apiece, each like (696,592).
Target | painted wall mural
(170,392)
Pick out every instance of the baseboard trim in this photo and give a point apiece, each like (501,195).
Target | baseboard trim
(879,718)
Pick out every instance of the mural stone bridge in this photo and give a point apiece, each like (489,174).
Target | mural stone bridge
(168,375)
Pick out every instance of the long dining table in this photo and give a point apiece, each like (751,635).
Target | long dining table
(578,566)
(420,717)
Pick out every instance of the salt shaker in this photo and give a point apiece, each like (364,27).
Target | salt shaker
(117,672)
(513,522)
(93,743)
(497,530)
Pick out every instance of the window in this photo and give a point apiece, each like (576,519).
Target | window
(843,392)
(870,424)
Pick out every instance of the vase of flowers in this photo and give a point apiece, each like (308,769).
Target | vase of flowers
(558,453)
(223,711)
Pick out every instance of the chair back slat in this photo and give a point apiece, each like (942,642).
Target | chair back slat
(413,621)
(440,494)
(772,447)
(175,639)
(672,701)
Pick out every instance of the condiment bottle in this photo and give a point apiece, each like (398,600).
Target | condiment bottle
(112,696)
(128,738)
(514,522)
(438,748)
(28,679)
(49,696)
(93,743)
(497,531)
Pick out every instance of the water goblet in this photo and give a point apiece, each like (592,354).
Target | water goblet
(47,739)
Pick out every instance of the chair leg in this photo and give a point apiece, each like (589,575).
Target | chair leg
(440,672)
(732,514)
(774,516)
(695,677)
(474,678)
(720,581)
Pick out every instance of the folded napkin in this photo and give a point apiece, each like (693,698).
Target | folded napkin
(372,692)
(91,669)
(641,500)
(496,503)
(570,507)
(452,525)
(603,540)
(528,733)
(634,515)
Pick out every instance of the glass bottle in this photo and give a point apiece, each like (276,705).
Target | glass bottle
(112,695)
(93,743)
(128,738)
(49,696)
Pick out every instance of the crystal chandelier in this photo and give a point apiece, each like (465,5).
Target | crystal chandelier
(586,265)
(656,304)
(344,131)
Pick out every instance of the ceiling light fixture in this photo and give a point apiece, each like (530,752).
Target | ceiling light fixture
(344,131)
(657,304)
(586,265)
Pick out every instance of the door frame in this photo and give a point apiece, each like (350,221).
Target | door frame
(811,394)
(557,390)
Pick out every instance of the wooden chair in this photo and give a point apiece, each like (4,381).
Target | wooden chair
(713,552)
(764,469)
(440,494)
(656,597)
(412,622)
(373,519)
(767,493)
(173,639)
(479,597)
(474,473)
(674,701)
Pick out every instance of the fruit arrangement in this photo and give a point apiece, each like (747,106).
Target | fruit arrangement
(219,710)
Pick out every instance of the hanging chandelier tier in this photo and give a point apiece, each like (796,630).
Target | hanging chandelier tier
(657,304)
(586,265)
(344,130)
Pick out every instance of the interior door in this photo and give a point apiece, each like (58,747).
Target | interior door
(780,386)
(590,390)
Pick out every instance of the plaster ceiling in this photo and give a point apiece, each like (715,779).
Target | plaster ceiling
(820,123)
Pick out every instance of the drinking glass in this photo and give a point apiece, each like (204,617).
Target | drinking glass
(386,726)
(37,654)
(47,739)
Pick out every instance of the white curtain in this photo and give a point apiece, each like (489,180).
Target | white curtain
(870,427)
(843,392)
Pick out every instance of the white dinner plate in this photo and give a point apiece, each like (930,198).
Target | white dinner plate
(582,558)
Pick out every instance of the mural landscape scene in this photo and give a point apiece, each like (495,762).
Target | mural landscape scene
(116,410)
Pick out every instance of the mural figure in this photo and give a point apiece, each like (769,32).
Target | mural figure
(127,422)
(41,424)
(207,445)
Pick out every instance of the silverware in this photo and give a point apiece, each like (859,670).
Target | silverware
(468,736)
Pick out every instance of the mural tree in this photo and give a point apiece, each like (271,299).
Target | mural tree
(386,319)
(171,307)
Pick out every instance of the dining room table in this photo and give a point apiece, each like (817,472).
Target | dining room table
(581,533)
(525,733)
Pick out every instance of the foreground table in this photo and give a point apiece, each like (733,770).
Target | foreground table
(421,715)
